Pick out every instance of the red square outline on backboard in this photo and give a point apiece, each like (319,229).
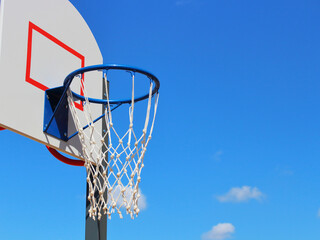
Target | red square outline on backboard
(33,27)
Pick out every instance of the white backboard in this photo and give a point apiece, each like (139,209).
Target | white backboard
(41,42)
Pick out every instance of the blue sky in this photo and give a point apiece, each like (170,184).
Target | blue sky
(235,151)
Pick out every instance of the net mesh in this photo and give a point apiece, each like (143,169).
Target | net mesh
(113,161)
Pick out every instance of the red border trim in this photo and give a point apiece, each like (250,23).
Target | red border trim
(69,161)
(33,27)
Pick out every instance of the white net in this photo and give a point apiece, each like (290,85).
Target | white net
(113,161)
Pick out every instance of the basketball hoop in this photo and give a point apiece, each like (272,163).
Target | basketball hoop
(113,161)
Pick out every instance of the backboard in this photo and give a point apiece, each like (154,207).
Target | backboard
(41,42)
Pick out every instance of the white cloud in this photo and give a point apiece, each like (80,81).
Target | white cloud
(117,196)
(219,232)
(142,204)
(319,212)
(241,194)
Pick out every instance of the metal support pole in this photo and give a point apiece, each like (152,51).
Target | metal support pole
(97,229)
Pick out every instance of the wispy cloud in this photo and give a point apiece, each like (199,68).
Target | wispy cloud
(287,172)
(284,171)
(183,2)
(319,213)
(122,202)
(217,155)
(220,231)
(241,194)
(142,201)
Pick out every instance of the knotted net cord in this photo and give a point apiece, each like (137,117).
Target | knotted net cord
(113,162)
